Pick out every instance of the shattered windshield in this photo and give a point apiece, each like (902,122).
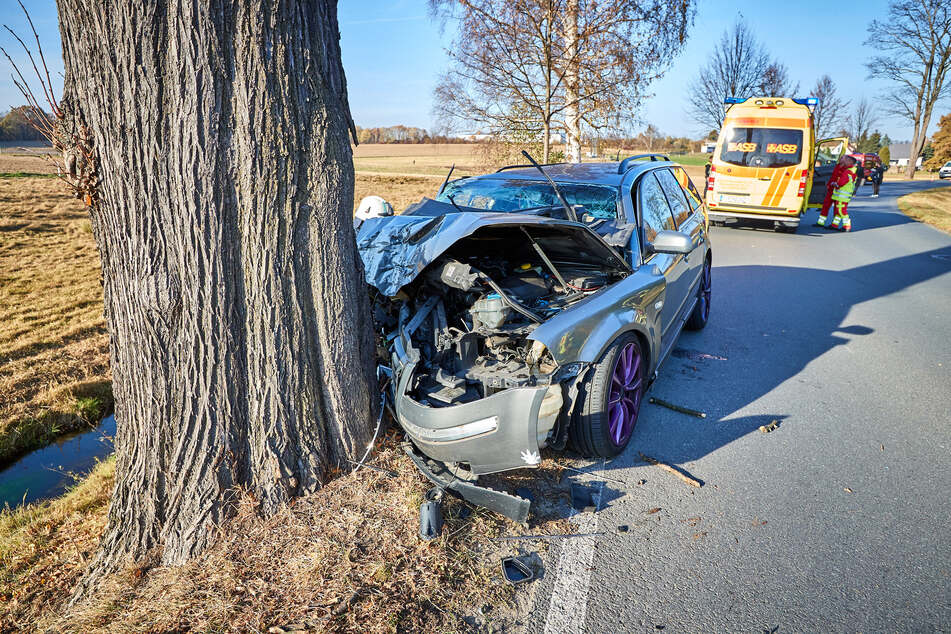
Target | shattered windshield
(497,194)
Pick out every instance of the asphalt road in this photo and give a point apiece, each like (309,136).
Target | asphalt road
(836,521)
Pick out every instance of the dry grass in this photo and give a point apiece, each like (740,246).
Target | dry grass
(25,164)
(932,206)
(346,559)
(54,362)
(416,160)
(44,548)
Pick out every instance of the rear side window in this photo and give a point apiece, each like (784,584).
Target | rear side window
(693,196)
(675,196)
(762,147)
(654,209)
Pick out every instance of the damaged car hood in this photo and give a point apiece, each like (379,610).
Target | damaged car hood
(396,249)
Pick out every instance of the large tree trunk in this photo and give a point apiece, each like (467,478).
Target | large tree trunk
(572,95)
(241,343)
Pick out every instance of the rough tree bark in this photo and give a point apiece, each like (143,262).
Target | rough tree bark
(241,342)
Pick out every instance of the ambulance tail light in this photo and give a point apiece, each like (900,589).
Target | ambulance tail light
(713,171)
(802,183)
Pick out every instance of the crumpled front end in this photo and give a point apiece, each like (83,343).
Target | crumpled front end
(460,298)
(500,432)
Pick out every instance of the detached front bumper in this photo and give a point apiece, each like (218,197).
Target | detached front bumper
(496,433)
(500,432)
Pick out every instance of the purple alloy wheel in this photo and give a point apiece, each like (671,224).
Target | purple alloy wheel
(706,290)
(626,391)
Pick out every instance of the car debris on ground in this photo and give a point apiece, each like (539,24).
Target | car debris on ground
(677,408)
(670,469)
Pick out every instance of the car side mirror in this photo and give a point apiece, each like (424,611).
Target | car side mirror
(668,241)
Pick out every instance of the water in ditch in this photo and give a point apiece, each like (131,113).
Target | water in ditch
(48,472)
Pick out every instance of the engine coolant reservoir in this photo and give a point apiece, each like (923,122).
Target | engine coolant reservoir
(490,310)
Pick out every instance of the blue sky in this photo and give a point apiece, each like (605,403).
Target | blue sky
(393,53)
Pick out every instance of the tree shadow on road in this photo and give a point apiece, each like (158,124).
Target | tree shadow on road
(768,323)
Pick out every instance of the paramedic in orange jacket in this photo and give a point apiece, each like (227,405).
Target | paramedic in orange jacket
(838,194)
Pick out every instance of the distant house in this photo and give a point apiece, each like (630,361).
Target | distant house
(707,147)
(900,153)
(478,136)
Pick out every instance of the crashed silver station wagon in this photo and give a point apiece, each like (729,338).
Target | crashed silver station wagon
(531,308)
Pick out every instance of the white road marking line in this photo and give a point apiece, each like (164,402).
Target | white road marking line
(569,597)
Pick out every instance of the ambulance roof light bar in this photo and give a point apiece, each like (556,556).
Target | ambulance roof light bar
(807,101)
(733,100)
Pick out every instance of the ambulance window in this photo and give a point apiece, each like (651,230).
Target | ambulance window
(693,196)
(762,147)
(655,212)
(675,196)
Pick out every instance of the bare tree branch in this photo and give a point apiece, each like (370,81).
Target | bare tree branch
(915,46)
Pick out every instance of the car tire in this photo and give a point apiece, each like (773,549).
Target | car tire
(610,399)
(701,311)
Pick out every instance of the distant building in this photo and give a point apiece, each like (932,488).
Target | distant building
(900,153)
(478,136)
(707,147)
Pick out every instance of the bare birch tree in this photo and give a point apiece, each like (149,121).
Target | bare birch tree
(571,64)
(914,45)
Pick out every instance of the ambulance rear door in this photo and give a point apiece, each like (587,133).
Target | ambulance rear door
(827,154)
(767,158)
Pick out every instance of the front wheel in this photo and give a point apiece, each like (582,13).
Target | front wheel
(611,400)
(701,310)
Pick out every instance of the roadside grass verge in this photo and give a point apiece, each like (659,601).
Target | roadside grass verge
(345,559)
(44,548)
(54,349)
(26,175)
(932,206)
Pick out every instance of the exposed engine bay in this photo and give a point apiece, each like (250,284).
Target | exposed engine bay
(470,312)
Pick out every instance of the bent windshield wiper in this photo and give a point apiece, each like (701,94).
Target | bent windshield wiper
(446,182)
(458,208)
(568,208)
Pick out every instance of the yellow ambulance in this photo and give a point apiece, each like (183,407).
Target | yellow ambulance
(767,164)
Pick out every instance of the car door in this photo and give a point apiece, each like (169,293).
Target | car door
(827,154)
(655,215)
(686,222)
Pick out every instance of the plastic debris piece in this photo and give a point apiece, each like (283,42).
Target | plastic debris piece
(430,515)
(623,528)
(774,424)
(515,571)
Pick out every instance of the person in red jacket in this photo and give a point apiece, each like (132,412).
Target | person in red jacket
(839,192)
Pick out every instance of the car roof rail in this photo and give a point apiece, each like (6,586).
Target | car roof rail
(623,167)
(517,167)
